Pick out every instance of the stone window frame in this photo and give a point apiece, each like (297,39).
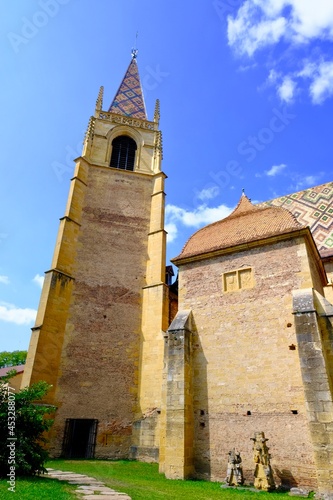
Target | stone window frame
(122,130)
(237,273)
(123,152)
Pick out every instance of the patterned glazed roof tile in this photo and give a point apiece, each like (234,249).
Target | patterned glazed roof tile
(247,223)
(129,100)
(312,207)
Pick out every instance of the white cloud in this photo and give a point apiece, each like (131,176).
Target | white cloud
(287,89)
(273,76)
(276,169)
(308,71)
(311,19)
(247,36)
(172,231)
(259,24)
(322,84)
(4,280)
(39,280)
(305,182)
(199,216)
(208,193)
(19,316)
(310,180)
(321,75)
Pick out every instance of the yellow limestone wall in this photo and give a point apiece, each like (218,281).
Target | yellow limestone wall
(48,334)
(155,315)
(246,371)
(176,447)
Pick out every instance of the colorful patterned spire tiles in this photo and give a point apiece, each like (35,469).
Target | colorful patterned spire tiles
(129,100)
(314,208)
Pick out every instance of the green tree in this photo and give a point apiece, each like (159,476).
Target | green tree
(23,421)
(12,358)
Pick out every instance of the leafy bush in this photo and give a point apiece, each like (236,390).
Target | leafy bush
(12,358)
(22,424)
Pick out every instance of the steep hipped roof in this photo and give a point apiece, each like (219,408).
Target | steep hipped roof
(129,100)
(247,223)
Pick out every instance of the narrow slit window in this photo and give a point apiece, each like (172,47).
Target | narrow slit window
(123,153)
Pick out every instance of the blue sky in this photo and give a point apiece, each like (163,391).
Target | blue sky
(246,91)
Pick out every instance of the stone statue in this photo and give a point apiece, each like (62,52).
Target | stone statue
(234,471)
(263,475)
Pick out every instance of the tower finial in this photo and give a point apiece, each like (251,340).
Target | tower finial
(99,100)
(157,112)
(135,51)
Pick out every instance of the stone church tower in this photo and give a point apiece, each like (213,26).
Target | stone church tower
(98,334)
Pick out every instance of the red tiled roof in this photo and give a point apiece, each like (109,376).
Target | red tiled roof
(247,223)
(6,369)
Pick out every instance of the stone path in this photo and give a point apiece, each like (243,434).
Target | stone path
(88,488)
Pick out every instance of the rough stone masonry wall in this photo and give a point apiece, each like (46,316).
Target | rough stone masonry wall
(176,460)
(246,370)
(313,318)
(101,348)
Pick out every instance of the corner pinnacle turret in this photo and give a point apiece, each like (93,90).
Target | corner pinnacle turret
(129,99)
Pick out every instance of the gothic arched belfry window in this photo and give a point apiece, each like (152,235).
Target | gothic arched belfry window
(123,153)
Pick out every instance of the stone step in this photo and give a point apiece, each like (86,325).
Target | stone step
(88,486)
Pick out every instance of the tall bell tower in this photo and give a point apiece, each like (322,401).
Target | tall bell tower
(98,337)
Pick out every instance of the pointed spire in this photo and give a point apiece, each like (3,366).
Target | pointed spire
(157,112)
(128,100)
(99,100)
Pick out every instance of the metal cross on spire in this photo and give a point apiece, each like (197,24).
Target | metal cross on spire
(135,51)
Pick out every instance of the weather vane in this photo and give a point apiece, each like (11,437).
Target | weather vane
(134,49)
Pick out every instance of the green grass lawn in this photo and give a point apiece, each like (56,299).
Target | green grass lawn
(139,480)
(38,488)
(143,482)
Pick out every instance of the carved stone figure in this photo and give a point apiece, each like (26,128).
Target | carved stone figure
(234,471)
(263,475)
